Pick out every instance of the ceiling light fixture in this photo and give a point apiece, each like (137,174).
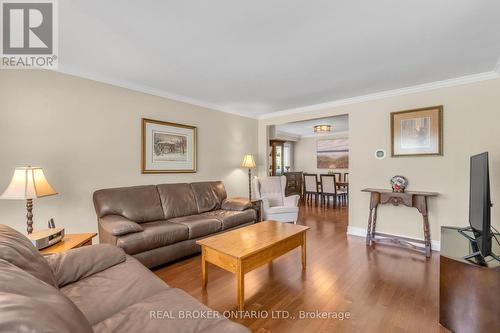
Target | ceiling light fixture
(322,128)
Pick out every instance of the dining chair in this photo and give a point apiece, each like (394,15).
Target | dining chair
(346,188)
(329,189)
(338,177)
(311,187)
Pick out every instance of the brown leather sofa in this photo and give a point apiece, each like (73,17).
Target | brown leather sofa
(157,224)
(94,288)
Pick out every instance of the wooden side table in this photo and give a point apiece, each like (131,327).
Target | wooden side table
(413,199)
(257,206)
(70,241)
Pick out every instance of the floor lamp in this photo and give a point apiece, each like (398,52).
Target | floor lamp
(28,183)
(249,162)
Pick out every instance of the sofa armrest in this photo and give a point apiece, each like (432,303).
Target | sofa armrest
(236,204)
(292,200)
(76,264)
(117,225)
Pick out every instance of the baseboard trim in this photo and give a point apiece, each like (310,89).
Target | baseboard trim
(361,232)
(356,231)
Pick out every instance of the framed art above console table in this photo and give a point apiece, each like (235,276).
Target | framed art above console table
(417,132)
(168,147)
(413,199)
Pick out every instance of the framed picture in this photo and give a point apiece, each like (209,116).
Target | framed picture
(168,147)
(332,154)
(417,132)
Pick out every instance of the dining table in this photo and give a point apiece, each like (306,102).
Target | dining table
(342,188)
(338,184)
(342,184)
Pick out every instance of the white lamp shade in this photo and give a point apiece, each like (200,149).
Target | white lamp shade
(28,183)
(248,161)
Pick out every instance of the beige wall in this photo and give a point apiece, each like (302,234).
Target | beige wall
(305,154)
(471,125)
(86,136)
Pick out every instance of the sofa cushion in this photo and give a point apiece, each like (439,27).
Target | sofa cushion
(162,313)
(28,304)
(155,234)
(164,254)
(177,200)
(198,225)
(231,219)
(103,294)
(209,195)
(136,203)
(75,264)
(281,210)
(19,251)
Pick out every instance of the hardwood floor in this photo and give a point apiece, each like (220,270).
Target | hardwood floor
(385,289)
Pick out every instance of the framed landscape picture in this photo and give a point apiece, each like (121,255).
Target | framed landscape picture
(417,132)
(168,147)
(332,154)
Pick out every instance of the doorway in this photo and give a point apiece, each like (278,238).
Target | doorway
(320,147)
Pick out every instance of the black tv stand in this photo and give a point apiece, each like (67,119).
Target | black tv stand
(468,290)
(475,248)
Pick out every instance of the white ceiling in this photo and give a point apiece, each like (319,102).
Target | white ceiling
(305,128)
(256,57)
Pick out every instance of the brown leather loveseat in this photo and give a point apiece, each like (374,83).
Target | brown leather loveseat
(160,223)
(92,289)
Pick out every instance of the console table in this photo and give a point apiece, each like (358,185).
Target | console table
(413,199)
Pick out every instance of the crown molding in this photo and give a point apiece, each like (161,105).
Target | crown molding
(149,90)
(390,93)
(358,99)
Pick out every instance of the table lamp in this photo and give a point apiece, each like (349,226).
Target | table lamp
(28,183)
(249,162)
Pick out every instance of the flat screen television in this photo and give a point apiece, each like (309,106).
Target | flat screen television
(480,202)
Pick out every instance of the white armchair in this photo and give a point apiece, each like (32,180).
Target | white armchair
(275,206)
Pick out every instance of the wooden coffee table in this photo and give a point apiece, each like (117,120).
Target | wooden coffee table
(242,250)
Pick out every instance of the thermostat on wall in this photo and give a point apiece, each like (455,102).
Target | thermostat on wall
(380,154)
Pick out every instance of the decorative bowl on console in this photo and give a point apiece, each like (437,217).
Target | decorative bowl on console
(399,184)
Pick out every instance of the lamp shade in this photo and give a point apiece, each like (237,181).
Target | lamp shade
(28,183)
(248,161)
